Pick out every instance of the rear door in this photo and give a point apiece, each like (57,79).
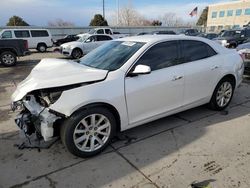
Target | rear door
(202,68)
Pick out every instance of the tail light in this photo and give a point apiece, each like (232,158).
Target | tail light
(26,46)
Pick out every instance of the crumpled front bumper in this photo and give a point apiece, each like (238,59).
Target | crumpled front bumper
(35,118)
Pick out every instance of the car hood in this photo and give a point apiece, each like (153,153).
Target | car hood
(244,46)
(51,73)
(74,43)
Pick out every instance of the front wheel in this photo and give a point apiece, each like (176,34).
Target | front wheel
(76,53)
(88,132)
(42,48)
(222,95)
(8,59)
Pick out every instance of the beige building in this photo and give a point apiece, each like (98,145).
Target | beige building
(234,14)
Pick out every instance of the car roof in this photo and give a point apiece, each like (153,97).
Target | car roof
(156,38)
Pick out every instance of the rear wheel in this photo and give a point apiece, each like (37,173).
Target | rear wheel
(42,48)
(76,53)
(88,132)
(223,94)
(8,59)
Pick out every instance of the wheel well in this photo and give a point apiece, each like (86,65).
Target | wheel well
(231,77)
(77,48)
(7,49)
(41,43)
(111,108)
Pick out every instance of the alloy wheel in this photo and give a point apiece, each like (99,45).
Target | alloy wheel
(8,59)
(224,94)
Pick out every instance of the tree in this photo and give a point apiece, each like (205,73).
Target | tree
(202,21)
(98,20)
(60,23)
(16,21)
(170,19)
(156,23)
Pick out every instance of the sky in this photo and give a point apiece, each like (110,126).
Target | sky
(80,12)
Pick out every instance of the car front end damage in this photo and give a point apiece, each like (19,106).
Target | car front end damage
(35,116)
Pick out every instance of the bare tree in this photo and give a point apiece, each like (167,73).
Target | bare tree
(170,19)
(60,23)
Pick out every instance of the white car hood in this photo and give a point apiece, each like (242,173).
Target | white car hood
(51,73)
(74,43)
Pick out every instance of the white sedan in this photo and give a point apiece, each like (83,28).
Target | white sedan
(122,84)
(83,45)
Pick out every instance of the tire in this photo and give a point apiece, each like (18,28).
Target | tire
(42,48)
(8,59)
(82,138)
(76,53)
(222,95)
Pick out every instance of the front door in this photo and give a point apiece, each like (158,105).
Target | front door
(161,90)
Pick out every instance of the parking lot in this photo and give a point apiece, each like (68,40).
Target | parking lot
(193,146)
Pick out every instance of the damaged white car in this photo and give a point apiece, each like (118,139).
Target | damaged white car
(122,84)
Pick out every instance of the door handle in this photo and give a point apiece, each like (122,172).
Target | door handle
(214,67)
(177,78)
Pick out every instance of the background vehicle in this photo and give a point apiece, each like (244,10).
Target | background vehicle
(67,38)
(107,31)
(11,49)
(209,36)
(190,32)
(164,33)
(232,38)
(244,50)
(83,45)
(39,39)
(122,84)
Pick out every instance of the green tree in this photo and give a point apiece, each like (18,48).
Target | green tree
(156,23)
(98,20)
(16,21)
(202,21)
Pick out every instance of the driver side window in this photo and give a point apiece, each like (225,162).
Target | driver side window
(160,56)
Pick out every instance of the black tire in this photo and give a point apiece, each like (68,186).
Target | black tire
(213,104)
(72,123)
(42,47)
(76,53)
(8,59)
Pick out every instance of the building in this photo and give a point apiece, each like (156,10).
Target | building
(228,15)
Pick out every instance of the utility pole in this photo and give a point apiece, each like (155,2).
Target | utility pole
(118,12)
(103,9)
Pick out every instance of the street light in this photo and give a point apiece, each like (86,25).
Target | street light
(103,9)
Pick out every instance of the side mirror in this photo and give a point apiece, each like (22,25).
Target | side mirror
(88,40)
(140,69)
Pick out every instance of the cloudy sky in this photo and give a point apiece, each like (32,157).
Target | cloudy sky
(79,12)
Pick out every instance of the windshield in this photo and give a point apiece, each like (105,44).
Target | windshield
(230,33)
(92,31)
(83,38)
(112,55)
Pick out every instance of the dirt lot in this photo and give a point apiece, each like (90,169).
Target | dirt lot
(196,145)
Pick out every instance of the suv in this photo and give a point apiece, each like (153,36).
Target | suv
(11,49)
(232,38)
(39,39)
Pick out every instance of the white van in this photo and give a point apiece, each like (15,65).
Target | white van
(39,39)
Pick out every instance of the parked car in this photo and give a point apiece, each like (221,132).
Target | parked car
(107,31)
(244,50)
(39,39)
(83,45)
(122,84)
(232,38)
(67,38)
(143,33)
(209,36)
(164,33)
(11,49)
(190,32)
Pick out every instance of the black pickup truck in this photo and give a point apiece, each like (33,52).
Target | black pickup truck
(11,49)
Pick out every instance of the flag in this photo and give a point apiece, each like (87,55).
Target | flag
(194,12)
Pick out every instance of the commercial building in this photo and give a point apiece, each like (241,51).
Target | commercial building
(228,15)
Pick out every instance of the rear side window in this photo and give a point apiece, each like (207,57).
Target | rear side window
(22,34)
(160,56)
(100,31)
(39,33)
(103,38)
(7,35)
(107,31)
(195,50)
